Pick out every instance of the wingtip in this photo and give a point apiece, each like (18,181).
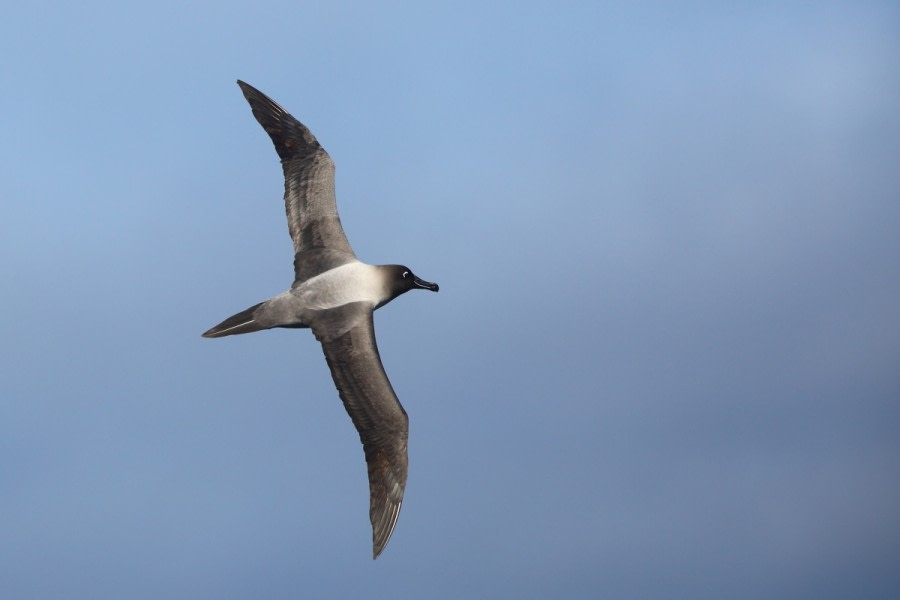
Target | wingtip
(383,528)
(249,91)
(377,550)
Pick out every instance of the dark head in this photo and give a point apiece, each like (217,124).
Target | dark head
(401,279)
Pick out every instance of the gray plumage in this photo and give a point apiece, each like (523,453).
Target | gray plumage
(335,295)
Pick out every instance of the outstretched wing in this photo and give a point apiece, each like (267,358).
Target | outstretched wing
(309,199)
(383,426)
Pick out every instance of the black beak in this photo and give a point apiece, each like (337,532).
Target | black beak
(425,284)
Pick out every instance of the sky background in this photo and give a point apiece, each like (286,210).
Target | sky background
(664,361)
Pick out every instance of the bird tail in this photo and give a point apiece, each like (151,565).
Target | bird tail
(242,322)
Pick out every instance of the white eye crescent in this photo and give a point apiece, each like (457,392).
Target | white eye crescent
(405,273)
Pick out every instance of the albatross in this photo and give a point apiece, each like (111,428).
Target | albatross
(335,295)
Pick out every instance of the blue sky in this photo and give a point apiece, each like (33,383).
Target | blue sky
(663,362)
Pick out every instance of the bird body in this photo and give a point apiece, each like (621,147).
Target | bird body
(335,295)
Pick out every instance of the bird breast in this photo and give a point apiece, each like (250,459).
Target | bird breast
(352,282)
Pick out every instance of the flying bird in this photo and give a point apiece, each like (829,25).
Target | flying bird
(334,294)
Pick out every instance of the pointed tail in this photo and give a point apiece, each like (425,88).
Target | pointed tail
(243,322)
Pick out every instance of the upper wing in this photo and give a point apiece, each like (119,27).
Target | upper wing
(347,335)
(308,177)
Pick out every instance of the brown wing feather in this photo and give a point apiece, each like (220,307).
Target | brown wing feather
(383,426)
(309,198)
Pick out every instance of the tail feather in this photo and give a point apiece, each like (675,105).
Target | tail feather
(242,322)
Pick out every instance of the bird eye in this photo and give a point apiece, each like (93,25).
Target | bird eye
(405,274)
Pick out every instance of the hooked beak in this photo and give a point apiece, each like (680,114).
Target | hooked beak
(427,285)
